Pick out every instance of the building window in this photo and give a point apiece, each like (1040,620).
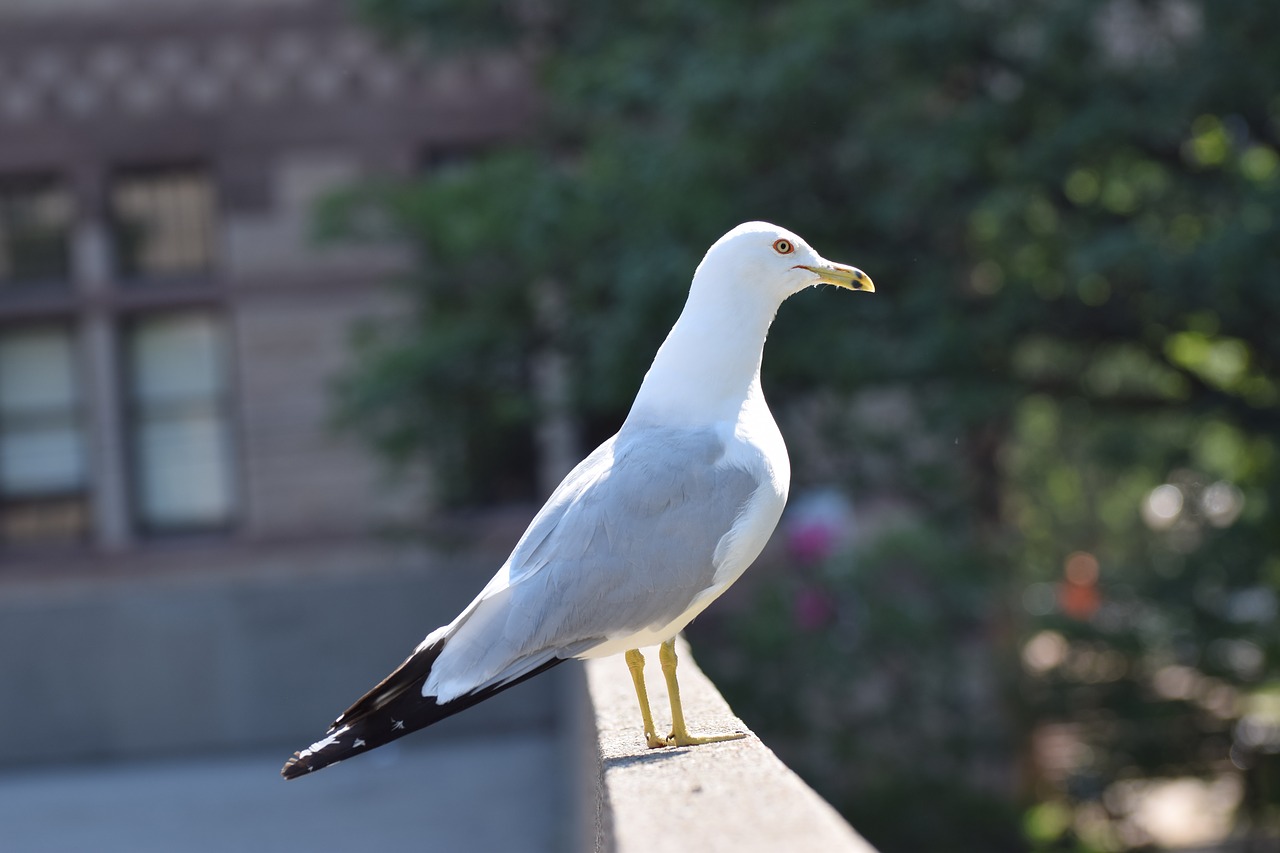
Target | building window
(162,223)
(35,228)
(43,470)
(161,376)
(179,424)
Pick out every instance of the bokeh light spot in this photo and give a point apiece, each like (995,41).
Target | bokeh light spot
(1045,651)
(1162,506)
(1081,568)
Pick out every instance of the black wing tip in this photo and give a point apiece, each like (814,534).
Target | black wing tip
(293,769)
(297,766)
(374,721)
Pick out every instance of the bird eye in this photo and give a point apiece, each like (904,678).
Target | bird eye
(783,247)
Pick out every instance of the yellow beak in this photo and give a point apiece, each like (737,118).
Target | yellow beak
(850,278)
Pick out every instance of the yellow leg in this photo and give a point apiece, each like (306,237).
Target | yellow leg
(635,663)
(679,734)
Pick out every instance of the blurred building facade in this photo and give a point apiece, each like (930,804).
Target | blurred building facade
(168,333)
(167,327)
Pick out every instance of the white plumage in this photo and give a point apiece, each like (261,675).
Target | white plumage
(646,531)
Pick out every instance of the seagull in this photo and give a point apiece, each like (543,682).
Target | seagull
(644,533)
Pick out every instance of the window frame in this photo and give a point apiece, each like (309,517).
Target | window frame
(130,418)
(84,494)
(97,302)
(60,280)
(124,279)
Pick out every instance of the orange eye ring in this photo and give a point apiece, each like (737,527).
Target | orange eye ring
(783,247)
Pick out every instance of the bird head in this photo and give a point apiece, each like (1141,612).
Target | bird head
(774,263)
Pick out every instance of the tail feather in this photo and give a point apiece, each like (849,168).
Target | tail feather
(389,711)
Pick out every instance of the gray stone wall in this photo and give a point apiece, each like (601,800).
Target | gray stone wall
(300,475)
(211,650)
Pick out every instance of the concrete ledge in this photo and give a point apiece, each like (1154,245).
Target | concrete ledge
(732,796)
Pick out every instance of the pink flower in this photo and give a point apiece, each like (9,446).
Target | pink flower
(811,542)
(812,609)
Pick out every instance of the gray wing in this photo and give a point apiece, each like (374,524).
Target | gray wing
(625,543)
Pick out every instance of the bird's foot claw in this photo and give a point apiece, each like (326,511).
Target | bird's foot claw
(686,739)
(655,742)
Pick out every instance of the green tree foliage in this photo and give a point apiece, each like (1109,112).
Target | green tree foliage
(1071,211)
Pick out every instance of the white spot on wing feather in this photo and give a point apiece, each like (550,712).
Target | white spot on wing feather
(321,744)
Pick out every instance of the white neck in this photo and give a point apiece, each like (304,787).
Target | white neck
(709,365)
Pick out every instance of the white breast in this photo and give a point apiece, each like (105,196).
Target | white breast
(755,445)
